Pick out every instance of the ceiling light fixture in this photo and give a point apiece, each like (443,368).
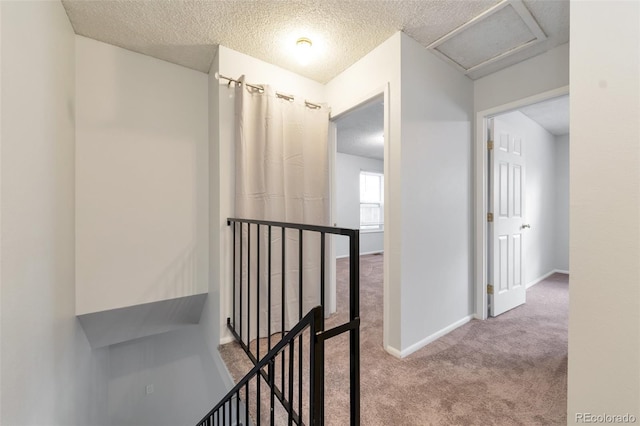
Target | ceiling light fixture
(303,50)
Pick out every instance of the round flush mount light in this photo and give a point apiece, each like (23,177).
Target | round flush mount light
(303,50)
(304,43)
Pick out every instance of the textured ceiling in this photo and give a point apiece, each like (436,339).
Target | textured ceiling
(188,32)
(553,115)
(360,132)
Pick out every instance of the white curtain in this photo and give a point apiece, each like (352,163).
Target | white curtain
(282,174)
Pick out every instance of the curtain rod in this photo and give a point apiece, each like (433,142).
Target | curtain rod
(289,98)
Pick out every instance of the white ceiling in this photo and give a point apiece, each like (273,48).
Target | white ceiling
(553,115)
(360,132)
(343,31)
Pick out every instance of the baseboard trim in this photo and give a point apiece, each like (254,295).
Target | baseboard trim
(424,342)
(226,339)
(545,276)
(362,254)
(393,351)
(537,280)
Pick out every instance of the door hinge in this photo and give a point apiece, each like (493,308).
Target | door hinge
(490,145)
(489,288)
(489,217)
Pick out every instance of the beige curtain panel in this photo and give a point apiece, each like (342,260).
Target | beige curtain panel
(282,174)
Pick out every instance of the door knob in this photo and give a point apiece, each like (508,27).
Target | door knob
(526,225)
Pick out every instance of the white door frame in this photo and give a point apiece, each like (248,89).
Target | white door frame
(480,199)
(357,102)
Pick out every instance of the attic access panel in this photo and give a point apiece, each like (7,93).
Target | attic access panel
(501,31)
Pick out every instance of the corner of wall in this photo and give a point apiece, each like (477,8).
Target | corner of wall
(1,204)
(210,321)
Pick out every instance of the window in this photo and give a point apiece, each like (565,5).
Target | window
(371,201)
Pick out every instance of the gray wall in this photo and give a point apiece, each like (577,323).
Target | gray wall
(184,365)
(562,202)
(604,295)
(141,179)
(437,111)
(184,375)
(49,373)
(348,168)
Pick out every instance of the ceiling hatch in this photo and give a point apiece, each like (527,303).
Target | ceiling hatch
(503,30)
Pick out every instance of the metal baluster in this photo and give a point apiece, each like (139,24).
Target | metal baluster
(258,400)
(300,273)
(354,333)
(300,378)
(272,385)
(269,289)
(258,297)
(300,309)
(241,280)
(322,267)
(249,287)
(316,382)
(246,403)
(283,297)
(291,345)
(234,275)
(238,407)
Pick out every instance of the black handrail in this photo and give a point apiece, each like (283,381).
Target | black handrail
(314,320)
(244,282)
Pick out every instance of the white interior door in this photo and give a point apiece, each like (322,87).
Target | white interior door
(507,205)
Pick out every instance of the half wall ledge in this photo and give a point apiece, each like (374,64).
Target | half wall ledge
(119,325)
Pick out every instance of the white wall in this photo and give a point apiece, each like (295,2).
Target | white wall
(1,387)
(562,203)
(213,317)
(604,306)
(348,168)
(141,188)
(49,373)
(373,74)
(180,368)
(143,193)
(539,153)
(437,108)
(427,170)
(539,74)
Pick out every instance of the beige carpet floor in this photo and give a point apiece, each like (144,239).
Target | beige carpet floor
(509,370)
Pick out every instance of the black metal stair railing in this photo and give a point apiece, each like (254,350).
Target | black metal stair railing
(229,411)
(250,267)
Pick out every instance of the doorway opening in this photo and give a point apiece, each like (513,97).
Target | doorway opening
(357,196)
(522,192)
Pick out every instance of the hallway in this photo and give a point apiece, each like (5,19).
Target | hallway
(509,370)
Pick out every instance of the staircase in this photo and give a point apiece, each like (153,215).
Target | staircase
(287,264)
